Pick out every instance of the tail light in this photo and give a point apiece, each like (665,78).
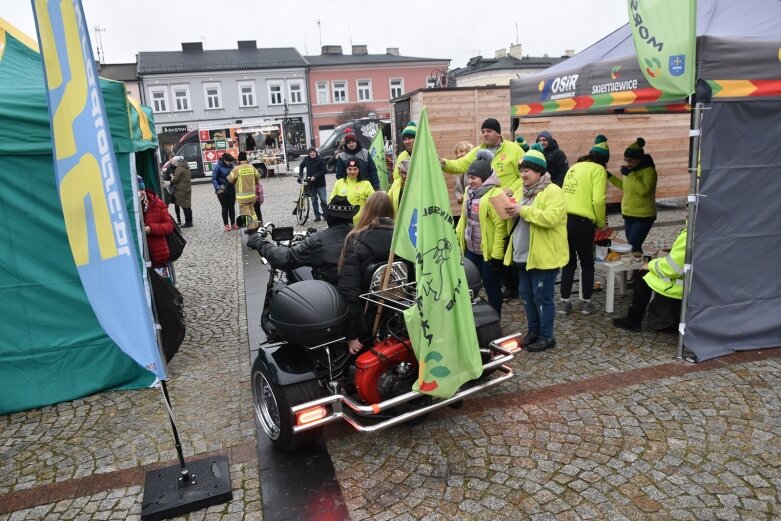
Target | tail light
(311,415)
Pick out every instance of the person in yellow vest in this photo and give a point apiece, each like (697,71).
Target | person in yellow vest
(481,232)
(507,155)
(246,178)
(408,140)
(354,187)
(661,279)
(538,247)
(461,149)
(638,205)
(584,194)
(397,188)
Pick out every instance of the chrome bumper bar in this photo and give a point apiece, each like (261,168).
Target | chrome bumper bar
(336,403)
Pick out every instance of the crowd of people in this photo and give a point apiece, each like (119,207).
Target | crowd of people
(527,218)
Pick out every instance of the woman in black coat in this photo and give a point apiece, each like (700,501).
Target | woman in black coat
(369,242)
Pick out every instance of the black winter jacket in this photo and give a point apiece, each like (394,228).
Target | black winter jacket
(314,168)
(320,251)
(369,246)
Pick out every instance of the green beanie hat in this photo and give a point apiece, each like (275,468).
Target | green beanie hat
(534,159)
(635,150)
(600,147)
(522,143)
(410,130)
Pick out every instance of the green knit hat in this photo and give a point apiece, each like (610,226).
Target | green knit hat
(635,150)
(410,130)
(522,143)
(534,159)
(600,147)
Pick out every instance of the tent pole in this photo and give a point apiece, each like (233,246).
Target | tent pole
(694,159)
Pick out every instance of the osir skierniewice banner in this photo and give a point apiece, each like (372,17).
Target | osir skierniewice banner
(93,206)
(440,324)
(665,37)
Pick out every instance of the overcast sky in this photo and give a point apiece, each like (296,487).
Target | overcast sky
(453,29)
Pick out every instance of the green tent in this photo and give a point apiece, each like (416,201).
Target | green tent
(52,348)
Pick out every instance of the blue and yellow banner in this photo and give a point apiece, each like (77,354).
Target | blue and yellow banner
(93,206)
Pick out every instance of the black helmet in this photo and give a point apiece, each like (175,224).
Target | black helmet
(473,278)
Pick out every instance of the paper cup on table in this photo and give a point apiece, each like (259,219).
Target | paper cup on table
(501,202)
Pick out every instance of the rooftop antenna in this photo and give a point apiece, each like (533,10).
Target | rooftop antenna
(517,40)
(99,43)
(350,32)
(320,33)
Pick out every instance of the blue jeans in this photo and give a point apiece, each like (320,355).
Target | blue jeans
(492,280)
(536,290)
(318,193)
(636,231)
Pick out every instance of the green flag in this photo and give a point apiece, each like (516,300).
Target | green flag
(440,324)
(377,151)
(665,36)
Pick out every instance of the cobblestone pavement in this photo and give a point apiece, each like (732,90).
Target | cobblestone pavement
(605,426)
(50,451)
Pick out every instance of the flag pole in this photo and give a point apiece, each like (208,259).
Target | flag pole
(385,279)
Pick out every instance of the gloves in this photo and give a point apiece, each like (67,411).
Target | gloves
(255,242)
(496,264)
(625,170)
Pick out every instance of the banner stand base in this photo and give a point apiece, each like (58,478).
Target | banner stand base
(165,495)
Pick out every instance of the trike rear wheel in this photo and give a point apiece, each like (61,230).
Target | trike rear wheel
(272,408)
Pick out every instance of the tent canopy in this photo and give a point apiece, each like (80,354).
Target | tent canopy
(53,347)
(737,55)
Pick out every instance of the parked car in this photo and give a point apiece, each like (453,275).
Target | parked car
(365,130)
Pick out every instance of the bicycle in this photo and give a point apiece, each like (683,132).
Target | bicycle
(302,203)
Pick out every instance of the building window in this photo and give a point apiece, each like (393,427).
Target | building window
(159,99)
(340,92)
(364,90)
(247,94)
(181,98)
(295,92)
(322,92)
(431,82)
(213,96)
(275,93)
(396,87)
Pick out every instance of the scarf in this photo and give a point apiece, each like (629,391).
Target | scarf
(529,193)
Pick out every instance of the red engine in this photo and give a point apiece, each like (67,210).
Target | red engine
(386,370)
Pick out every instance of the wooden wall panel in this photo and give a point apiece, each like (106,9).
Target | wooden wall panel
(456,115)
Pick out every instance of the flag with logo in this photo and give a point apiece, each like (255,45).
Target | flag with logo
(377,151)
(93,205)
(665,37)
(440,323)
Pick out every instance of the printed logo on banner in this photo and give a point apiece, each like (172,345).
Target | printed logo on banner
(615,72)
(558,88)
(677,64)
(653,67)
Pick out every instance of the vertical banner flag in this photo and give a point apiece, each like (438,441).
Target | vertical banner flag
(440,323)
(665,37)
(88,180)
(377,151)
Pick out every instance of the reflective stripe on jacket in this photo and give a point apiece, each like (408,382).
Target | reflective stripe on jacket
(665,275)
(245,177)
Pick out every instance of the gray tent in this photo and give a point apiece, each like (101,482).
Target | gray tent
(735,278)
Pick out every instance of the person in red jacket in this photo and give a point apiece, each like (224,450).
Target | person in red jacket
(157,224)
